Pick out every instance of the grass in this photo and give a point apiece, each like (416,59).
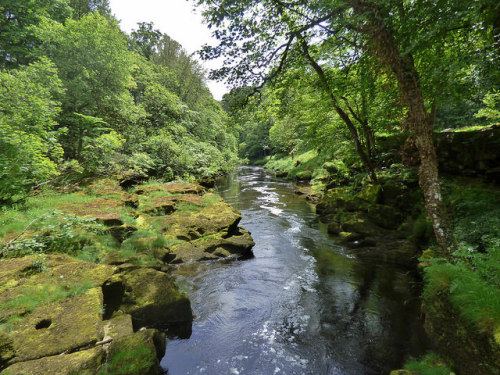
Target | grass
(469,128)
(431,364)
(14,220)
(477,302)
(470,279)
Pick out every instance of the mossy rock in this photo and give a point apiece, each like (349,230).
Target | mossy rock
(137,354)
(330,167)
(108,211)
(85,362)
(371,193)
(217,218)
(214,247)
(60,327)
(6,349)
(119,325)
(153,299)
(402,372)
(304,175)
(17,276)
(361,226)
(385,216)
(172,188)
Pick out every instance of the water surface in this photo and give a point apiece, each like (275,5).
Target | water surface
(302,305)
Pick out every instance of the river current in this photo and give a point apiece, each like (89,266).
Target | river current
(302,305)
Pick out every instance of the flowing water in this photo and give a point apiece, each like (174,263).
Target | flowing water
(302,305)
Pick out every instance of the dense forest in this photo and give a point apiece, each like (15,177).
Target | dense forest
(385,113)
(79,95)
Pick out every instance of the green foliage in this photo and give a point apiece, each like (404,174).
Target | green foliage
(431,364)
(55,233)
(491,110)
(29,147)
(19,21)
(100,154)
(476,301)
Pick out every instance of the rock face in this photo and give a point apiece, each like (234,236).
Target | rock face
(472,153)
(370,222)
(152,298)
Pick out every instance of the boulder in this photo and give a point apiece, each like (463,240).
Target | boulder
(172,188)
(371,193)
(152,298)
(214,247)
(215,219)
(85,362)
(136,354)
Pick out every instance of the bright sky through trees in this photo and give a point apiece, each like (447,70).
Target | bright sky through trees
(177,18)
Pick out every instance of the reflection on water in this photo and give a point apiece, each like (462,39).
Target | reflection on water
(302,306)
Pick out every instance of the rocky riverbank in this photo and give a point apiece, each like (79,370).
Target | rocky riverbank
(97,296)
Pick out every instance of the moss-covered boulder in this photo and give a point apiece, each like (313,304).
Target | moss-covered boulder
(85,362)
(215,219)
(25,287)
(152,298)
(136,354)
(213,247)
(371,193)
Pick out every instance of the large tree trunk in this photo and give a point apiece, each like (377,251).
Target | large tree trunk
(418,121)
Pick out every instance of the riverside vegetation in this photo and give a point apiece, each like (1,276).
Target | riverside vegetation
(390,109)
(103,134)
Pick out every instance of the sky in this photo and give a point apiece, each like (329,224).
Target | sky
(178,19)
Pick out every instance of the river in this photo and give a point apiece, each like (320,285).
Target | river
(302,305)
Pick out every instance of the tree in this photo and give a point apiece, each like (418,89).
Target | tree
(254,35)
(29,147)
(82,7)
(95,67)
(19,20)
(145,39)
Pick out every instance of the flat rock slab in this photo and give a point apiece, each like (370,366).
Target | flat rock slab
(173,188)
(64,326)
(82,363)
(17,278)
(106,210)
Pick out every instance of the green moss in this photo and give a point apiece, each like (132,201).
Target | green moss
(476,301)
(34,296)
(431,364)
(127,361)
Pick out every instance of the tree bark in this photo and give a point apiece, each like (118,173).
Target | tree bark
(418,121)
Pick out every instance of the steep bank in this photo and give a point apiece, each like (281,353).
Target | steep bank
(461,297)
(79,285)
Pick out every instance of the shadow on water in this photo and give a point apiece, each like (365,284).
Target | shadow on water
(302,305)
